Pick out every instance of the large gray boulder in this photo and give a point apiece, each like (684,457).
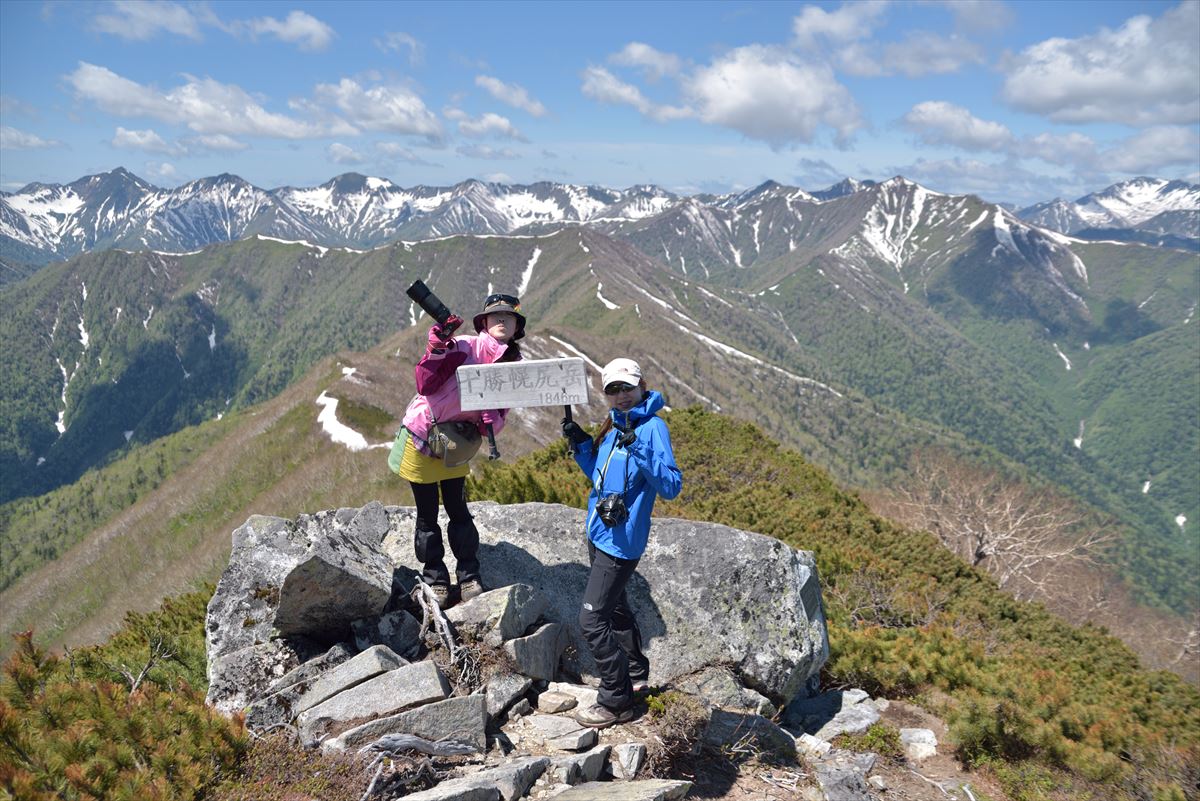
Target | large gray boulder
(291,586)
(704,594)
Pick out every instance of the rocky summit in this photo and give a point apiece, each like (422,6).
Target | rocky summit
(731,618)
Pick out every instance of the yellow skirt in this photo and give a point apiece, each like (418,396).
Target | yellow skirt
(421,469)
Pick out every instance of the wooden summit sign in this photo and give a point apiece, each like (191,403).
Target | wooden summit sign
(511,385)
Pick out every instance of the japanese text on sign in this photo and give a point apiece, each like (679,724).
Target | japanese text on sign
(540,382)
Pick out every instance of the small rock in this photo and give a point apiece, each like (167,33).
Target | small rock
(563,733)
(645,790)
(498,615)
(578,768)
(537,655)
(398,630)
(627,759)
(586,696)
(502,690)
(851,720)
(520,709)
(552,702)
(877,782)
(881,704)
(918,743)
(811,746)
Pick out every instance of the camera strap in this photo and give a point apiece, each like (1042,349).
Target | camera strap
(604,471)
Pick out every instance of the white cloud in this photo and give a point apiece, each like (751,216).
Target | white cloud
(398,152)
(978,15)
(395,109)
(13,105)
(510,93)
(655,63)
(215,142)
(939,123)
(769,94)
(203,105)
(1070,148)
(850,22)
(487,152)
(398,41)
(498,178)
(299,28)
(140,21)
(924,53)
(489,124)
(160,171)
(1154,149)
(13,139)
(600,84)
(342,154)
(817,174)
(986,179)
(147,140)
(1143,73)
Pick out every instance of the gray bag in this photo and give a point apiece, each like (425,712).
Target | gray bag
(454,442)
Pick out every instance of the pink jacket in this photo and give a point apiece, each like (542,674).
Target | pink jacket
(437,387)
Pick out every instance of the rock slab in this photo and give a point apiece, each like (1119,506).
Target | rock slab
(462,719)
(386,694)
(645,790)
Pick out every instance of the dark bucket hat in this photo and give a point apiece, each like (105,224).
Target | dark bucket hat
(500,302)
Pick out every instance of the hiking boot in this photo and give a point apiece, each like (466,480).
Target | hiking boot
(598,716)
(471,588)
(640,687)
(442,593)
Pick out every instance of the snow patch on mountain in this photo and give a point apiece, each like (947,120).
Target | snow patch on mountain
(608,303)
(1062,356)
(528,274)
(339,432)
(572,349)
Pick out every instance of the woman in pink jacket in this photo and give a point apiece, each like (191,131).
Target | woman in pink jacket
(498,327)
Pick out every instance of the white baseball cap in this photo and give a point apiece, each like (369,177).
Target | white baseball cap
(626,370)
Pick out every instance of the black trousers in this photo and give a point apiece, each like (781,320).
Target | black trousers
(463,536)
(611,630)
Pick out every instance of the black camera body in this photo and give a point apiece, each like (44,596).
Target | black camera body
(612,511)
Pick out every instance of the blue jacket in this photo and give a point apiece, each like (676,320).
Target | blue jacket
(651,469)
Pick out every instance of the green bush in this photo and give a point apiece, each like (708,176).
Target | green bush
(122,722)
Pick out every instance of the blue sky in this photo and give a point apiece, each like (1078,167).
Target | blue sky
(1016,102)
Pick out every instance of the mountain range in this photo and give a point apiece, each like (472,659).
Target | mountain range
(46,222)
(860,327)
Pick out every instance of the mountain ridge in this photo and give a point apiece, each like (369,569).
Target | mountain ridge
(117,209)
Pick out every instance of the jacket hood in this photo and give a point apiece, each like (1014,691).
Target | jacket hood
(651,403)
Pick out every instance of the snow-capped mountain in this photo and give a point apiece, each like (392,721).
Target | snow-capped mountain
(1128,205)
(40,223)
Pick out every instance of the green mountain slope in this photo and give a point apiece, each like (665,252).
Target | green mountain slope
(857,360)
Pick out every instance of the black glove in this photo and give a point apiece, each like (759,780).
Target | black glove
(625,437)
(574,432)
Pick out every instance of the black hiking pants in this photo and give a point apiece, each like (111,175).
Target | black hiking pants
(611,630)
(461,531)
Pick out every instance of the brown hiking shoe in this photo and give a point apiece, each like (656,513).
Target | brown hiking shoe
(471,588)
(442,593)
(598,716)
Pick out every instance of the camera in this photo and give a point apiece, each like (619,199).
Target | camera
(612,511)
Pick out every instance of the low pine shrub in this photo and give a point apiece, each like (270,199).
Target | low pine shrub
(120,722)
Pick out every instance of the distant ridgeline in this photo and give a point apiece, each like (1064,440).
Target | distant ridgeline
(860,325)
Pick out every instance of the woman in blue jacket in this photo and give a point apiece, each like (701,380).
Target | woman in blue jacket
(630,463)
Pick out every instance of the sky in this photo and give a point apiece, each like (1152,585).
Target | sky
(1017,102)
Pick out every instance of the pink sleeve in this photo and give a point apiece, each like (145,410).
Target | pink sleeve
(435,370)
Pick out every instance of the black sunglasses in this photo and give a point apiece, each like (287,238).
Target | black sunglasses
(501,298)
(617,388)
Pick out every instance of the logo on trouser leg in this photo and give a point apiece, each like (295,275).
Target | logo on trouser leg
(588,607)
